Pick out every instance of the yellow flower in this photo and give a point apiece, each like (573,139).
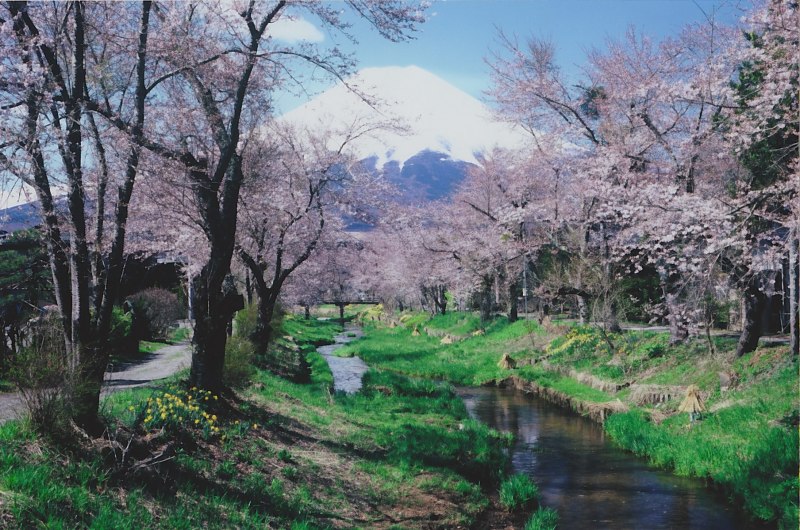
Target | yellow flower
(236,422)
(196,422)
(215,397)
(214,417)
(163,415)
(255,425)
(130,408)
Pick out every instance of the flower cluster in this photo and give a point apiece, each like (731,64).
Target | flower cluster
(181,409)
(578,340)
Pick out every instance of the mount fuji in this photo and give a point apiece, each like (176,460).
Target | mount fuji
(423,132)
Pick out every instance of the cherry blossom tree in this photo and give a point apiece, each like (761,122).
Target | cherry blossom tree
(296,188)
(764,133)
(57,54)
(223,66)
(176,85)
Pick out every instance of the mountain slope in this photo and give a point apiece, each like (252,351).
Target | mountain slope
(422,130)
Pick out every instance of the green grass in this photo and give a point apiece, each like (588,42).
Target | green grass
(748,446)
(146,346)
(180,334)
(518,492)
(471,361)
(145,349)
(288,455)
(543,519)
(309,332)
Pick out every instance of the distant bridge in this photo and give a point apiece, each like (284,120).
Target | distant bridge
(351,302)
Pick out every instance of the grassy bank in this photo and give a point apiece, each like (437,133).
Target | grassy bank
(400,454)
(746,442)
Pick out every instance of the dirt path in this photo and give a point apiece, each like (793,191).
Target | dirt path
(158,365)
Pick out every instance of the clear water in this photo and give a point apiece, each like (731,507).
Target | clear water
(592,483)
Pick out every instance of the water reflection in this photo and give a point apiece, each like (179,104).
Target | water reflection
(347,371)
(590,482)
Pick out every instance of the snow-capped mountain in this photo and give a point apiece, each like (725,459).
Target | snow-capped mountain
(421,129)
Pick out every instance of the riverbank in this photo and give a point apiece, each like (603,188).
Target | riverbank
(399,454)
(746,442)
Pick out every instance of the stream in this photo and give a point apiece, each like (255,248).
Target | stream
(591,482)
(347,371)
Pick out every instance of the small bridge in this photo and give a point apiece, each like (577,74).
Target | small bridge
(342,303)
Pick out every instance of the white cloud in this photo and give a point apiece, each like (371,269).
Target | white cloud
(295,29)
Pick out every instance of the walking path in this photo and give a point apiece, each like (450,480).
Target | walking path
(158,365)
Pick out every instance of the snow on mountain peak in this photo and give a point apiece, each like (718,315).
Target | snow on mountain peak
(398,112)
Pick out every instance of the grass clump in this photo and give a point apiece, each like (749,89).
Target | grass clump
(518,492)
(543,519)
(240,354)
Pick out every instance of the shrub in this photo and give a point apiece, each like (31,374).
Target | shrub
(239,357)
(41,374)
(155,312)
(244,323)
(121,339)
(518,492)
(543,519)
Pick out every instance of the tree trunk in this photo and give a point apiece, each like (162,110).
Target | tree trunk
(307,312)
(583,309)
(753,301)
(612,320)
(248,287)
(266,312)
(341,313)
(208,355)
(93,339)
(486,300)
(88,383)
(513,305)
(440,299)
(794,292)
(678,331)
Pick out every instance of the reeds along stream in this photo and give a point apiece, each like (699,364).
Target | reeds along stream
(592,483)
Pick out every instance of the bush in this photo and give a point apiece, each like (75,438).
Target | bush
(41,374)
(543,519)
(155,312)
(239,356)
(244,323)
(518,492)
(121,340)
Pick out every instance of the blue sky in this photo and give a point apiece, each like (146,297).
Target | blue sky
(459,34)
